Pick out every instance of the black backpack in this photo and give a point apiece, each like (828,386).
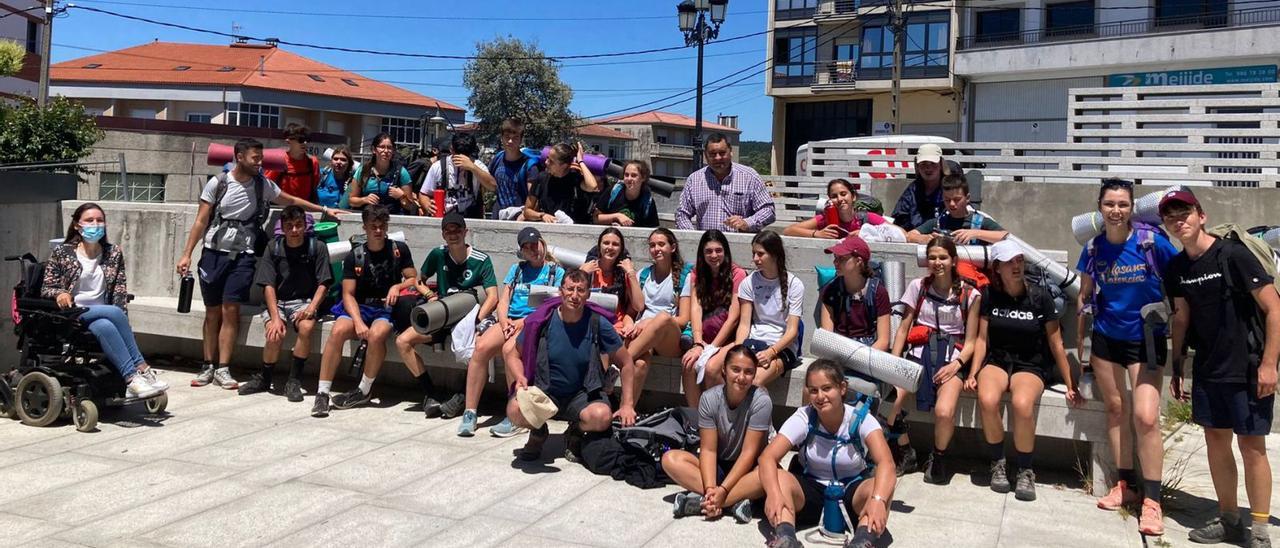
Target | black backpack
(672,428)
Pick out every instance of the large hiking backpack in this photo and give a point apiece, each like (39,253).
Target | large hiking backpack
(862,404)
(672,428)
(1269,258)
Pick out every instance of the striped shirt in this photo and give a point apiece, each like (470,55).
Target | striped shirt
(712,201)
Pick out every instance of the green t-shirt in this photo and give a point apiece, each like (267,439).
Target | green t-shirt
(476,271)
(947,224)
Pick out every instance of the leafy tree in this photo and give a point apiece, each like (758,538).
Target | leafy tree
(756,154)
(11,56)
(514,78)
(60,132)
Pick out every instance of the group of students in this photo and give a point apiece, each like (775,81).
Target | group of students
(734,332)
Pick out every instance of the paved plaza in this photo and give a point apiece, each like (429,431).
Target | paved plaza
(223,470)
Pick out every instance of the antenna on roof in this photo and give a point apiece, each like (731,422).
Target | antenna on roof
(235,30)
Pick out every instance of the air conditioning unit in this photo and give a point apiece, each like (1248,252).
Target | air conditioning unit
(827,7)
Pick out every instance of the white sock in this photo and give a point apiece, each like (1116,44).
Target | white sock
(471,410)
(366,384)
(324,387)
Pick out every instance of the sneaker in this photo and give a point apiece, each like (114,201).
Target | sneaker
(533,448)
(1151,522)
(468,426)
(293,390)
(150,376)
(1119,496)
(862,538)
(909,461)
(935,469)
(431,407)
(741,511)
(205,376)
(1025,489)
(573,443)
(999,477)
(321,407)
(222,377)
(257,383)
(141,389)
(506,429)
(351,398)
(686,504)
(779,541)
(1217,531)
(611,379)
(453,407)
(1259,538)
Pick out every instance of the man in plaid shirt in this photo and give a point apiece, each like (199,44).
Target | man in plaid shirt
(724,195)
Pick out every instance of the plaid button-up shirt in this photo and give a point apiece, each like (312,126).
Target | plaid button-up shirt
(707,201)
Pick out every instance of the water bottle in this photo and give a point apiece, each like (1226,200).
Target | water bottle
(185,289)
(357,359)
(833,525)
(438,196)
(831,215)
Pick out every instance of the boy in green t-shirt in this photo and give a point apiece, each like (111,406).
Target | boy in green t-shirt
(456,266)
(965,227)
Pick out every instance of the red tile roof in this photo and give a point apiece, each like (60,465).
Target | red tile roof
(666,119)
(602,132)
(231,65)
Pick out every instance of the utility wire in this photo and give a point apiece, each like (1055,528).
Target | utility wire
(394,17)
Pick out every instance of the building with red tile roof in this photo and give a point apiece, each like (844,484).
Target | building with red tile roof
(665,139)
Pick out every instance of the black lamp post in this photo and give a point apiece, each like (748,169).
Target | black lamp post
(700,22)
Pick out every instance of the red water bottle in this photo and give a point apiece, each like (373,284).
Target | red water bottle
(832,215)
(439,199)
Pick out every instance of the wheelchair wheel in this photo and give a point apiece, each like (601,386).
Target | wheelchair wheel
(157,405)
(39,399)
(85,415)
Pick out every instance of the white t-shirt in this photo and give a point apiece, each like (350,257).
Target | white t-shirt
(464,195)
(938,312)
(660,296)
(238,202)
(818,453)
(768,312)
(91,288)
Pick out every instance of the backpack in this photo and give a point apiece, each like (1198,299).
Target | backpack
(1268,257)
(1039,277)
(671,428)
(868,203)
(313,247)
(360,256)
(1256,337)
(971,279)
(551,274)
(868,297)
(861,409)
(254,224)
(618,190)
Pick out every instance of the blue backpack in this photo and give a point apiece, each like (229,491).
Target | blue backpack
(1146,244)
(862,404)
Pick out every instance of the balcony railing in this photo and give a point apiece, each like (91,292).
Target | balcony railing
(837,10)
(1136,27)
(844,75)
(672,151)
(835,76)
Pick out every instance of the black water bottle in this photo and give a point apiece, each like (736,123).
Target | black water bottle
(184,293)
(357,359)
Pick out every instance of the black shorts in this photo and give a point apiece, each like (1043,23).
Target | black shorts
(1013,368)
(570,408)
(1126,352)
(1233,405)
(814,493)
(223,279)
(789,359)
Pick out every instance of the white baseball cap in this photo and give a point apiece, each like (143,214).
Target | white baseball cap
(1005,250)
(929,152)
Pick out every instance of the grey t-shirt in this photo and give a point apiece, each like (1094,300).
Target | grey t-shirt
(238,202)
(714,412)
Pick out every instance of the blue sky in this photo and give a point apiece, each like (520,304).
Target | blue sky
(559,27)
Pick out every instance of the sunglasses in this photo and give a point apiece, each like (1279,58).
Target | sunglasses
(1117,183)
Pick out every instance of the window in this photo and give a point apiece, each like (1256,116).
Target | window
(350,82)
(139,187)
(182,68)
(253,115)
(926,48)
(794,55)
(404,131)
(199,118)
(92,65)
(33,36)
(315,77)
(1069,18)
(845,51)
(1208,13)
(794,9)
(226,69)
(998,25)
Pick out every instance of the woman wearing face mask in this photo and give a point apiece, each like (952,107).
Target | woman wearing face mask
(841,196)
(629,202)
(88,271)
(334,190)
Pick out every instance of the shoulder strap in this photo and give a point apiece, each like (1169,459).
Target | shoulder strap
(869,301)
(644,274)
(1147,243)
(277,246)
(613,194)
(358,257)
(314,249)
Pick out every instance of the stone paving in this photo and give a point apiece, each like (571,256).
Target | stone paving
(223,470)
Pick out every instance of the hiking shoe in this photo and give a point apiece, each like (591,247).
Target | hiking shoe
(430,407)
(150,376)
(257,383)
(935,469)
(506,429)
(999,477)
(780,541)
(1259,538)
(1025,489)
(1119,496)
(453,406)
(351,398)
(533,448)
(468,426)
(293,390)
(1151,522)
(908,460)
(1218,530)
(611,379)
(141,389)
(741,511)
(222,377)
(321,407)
(205,376)
(686,504)
(862,538)
(573,443)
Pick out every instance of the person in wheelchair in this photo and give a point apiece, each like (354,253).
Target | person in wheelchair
(87,271)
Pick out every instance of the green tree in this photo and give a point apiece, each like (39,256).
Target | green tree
(756,154)
(60,132)
(12,55)
(510,77)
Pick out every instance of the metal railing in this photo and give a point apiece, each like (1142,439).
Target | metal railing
(837,9)
(670,150)
(1135,27)
(833,75)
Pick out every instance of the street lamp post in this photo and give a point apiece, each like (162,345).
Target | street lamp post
(700,22)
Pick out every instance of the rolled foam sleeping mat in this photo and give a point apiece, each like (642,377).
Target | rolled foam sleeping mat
(1066,279)
(977,255)
(445,311)
(864,359)
(540,293)
(568,258)
(272,158)
(1087,226)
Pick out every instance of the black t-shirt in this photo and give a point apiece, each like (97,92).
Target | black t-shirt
(1016,335)
(294,275)
(564,194)
(381,270)
(642,210)
(1219,323)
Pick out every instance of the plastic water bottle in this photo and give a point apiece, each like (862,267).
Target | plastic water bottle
(357,359)
(185,289)
(833,525)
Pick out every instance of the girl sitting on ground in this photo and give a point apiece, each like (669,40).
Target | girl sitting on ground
(734,421)
(661,327)
(713,308)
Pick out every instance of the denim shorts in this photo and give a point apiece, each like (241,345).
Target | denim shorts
(368,314)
